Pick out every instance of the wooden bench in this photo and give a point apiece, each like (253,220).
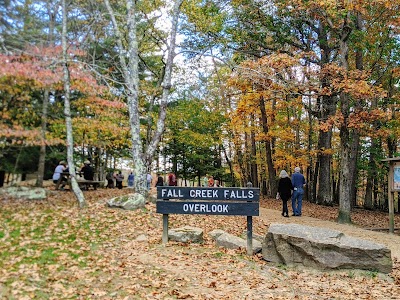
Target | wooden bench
(85,184)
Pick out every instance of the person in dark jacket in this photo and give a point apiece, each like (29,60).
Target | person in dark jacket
(87,171)
(285,188)
(160,180)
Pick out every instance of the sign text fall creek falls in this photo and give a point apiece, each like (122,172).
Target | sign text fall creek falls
(212,201)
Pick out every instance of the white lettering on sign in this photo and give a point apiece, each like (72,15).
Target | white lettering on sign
(206,208)
(169,193)
(238,194)
(203,194)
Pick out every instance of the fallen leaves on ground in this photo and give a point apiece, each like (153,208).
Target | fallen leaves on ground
(52,250)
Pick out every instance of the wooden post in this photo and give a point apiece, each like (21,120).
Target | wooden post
(391,196)
(391,212)
(165,229)
(249,235)
(393,186)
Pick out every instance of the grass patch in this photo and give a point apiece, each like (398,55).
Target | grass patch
(218,254)
(372,274)
(15,233)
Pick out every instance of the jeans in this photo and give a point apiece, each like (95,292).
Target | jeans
(297,199)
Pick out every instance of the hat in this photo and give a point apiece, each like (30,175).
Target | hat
(62,163)
(297,170)
(87,162)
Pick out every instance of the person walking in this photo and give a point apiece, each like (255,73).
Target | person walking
(210,181)
(131,178)
(172,180)
(298,182)
(285,188)
(204,181)
(149,179)
(160,180)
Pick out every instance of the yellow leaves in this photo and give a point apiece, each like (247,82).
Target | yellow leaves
(16,135)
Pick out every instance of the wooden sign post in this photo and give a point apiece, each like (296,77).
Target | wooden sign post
(209,201)
(393,186)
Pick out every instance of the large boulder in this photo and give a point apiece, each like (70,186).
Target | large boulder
(322,248)
(24,193)
(128,202)
(186,234)
(231,241)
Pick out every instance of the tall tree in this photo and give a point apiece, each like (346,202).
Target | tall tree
(51,12)
(129,61)
(67,108)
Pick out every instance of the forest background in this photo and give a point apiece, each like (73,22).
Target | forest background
(260,86)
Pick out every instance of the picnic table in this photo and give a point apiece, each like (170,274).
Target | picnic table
(83,183)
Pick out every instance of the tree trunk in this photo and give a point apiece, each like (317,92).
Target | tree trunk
(43,129)
(268,151)
(67,111)
(253,164)
(2,176)
(349,139)
(231,171)
(349,148)
(326,108)
(129,60)
(324,193)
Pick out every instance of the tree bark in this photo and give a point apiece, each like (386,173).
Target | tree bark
(42,151)
(268,151)
(67,110)
(129,60)
(349,138)
(43,128)
(253,160)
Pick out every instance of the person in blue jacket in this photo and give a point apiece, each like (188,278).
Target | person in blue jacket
(298,182)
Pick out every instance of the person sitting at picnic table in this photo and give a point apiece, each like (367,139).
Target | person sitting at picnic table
(62,166)
(110,180)
(87,171)
(119,178)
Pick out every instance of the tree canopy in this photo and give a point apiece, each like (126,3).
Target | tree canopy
(258,86)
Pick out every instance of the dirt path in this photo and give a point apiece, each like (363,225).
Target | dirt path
(389,240)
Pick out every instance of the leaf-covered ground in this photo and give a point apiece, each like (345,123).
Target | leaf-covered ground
(52,250)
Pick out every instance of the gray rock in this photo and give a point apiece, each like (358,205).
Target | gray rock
(322,248)
(25,193)
(230,241)
(152,198)
(186,234)
(256,236)
(216,233)
(142,238)
(128,202)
